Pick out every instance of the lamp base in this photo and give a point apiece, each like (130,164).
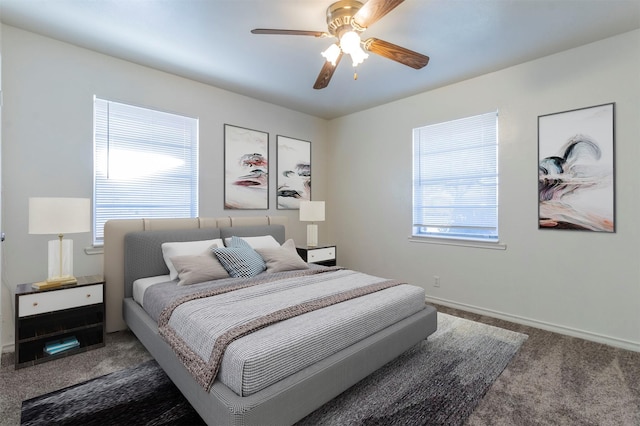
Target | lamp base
(55,282)
(312,235)
(67,279)
(60,259)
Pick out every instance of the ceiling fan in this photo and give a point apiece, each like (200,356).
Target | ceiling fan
(346,20)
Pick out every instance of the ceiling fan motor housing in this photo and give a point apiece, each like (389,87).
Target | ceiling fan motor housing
(340,17)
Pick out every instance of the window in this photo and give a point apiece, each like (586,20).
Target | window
(145,164)
(455,179)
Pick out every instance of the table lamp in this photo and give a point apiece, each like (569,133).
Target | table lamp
(312,211)
(60,216)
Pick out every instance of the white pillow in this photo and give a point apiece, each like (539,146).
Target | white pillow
(264,241)
(186,248)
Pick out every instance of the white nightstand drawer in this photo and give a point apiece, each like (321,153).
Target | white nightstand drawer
(49,301)
(321,254)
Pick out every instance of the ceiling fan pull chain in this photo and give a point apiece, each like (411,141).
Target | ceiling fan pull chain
(355,73)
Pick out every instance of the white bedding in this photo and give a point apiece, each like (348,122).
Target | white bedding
(142,284)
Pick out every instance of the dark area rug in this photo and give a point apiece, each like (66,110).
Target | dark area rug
(439,382)
(142,395)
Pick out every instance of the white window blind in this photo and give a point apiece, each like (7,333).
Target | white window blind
(145,164)
(455,179)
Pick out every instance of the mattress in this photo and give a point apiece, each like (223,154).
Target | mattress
(266,356)
(142,284)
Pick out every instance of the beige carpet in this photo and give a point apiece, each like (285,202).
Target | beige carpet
(560,380)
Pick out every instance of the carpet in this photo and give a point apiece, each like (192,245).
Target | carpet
(438,382)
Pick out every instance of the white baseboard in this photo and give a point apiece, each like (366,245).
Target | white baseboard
(9,347)
(594,337)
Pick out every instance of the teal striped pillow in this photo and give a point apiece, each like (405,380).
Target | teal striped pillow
(239,259)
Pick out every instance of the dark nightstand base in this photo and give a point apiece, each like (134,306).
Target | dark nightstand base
(43,320)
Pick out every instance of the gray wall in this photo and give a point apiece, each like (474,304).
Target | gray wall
(48,140)
(581,283)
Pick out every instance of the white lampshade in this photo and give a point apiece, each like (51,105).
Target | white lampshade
(358,56)
(312,211)
(332,53)
(60,216)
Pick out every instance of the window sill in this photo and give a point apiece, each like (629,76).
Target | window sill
(458,243)
(94,250)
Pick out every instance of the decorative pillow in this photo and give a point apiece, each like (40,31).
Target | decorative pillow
(170,250)
(193,269)
(239,259)
(264,241)
(283,258)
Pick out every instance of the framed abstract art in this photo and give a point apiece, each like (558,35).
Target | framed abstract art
(246,168)
(576,188)
(293,172)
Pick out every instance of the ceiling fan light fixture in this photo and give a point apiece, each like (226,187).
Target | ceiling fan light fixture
(358,56)
(346,20)
(332,53)
(350,43)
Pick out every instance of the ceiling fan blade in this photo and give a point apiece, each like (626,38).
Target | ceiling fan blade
(373,10)
(396,53)
(289,32)
(326,73)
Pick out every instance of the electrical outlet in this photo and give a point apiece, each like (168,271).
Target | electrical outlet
(436,281)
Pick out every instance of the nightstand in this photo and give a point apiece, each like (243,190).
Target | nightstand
(322,255)
(53,315)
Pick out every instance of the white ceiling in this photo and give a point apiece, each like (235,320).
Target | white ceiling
(210,41)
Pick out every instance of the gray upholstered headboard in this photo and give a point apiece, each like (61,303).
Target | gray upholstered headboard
(114,258)
(143,252)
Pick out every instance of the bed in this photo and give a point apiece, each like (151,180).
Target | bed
(279,394)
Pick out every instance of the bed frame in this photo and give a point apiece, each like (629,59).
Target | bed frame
(282,403)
